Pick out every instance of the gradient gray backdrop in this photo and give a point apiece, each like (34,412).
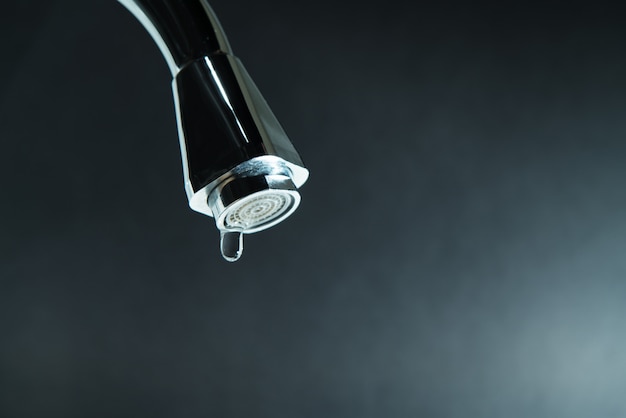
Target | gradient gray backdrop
(460,250)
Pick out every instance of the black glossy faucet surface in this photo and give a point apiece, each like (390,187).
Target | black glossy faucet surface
(239,165)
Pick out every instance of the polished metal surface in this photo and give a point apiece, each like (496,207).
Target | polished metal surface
(183,30)
(228,134)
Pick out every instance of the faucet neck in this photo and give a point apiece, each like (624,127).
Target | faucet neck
(183,30)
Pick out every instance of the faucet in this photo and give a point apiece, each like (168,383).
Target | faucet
(239,166)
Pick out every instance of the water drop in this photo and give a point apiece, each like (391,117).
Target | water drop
(231,245)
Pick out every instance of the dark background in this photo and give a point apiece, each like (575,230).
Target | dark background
(459,250)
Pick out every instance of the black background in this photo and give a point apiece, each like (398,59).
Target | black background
(459,250)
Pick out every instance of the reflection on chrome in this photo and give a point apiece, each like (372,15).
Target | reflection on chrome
(238,164)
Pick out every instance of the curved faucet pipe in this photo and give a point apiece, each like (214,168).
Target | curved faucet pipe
(183,30)
(239,165)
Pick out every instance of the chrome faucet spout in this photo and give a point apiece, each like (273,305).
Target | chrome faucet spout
(239,165)
(183,30)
